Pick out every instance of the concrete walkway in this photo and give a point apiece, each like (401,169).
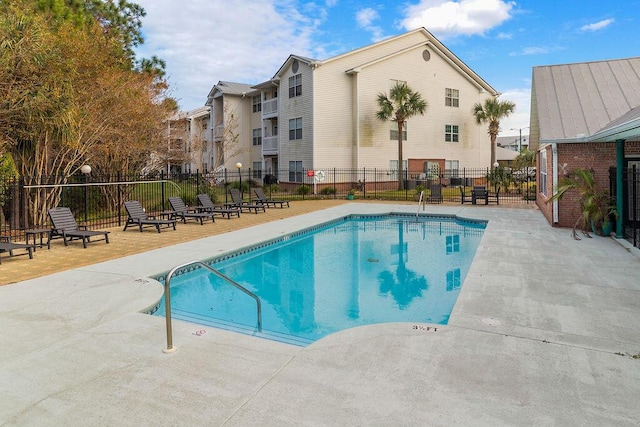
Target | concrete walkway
(546,331)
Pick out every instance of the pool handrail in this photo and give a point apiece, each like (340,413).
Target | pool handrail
(167,298)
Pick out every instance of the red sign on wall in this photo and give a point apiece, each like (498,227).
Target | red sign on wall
(310,173)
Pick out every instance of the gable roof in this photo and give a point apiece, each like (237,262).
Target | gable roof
(430,40)
(586,102)
(228,88)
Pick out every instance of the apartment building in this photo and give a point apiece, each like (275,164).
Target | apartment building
(321,114)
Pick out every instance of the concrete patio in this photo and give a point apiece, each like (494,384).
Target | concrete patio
(546,331)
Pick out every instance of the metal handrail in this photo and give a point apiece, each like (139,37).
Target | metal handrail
(167,298)
(420,203)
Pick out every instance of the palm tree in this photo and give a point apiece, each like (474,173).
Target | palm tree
(401,104)
(492,111)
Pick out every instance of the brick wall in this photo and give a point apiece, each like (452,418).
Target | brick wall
(597,156)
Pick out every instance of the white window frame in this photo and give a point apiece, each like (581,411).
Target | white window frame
(542,173)
(295,171)
(451,133)
(257,136)
(393,131)
(452,97)
(393,168)
(257,170)
(452,168)
(295,86)
(257,104)
(295,129)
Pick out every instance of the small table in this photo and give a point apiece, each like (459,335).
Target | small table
(39,232)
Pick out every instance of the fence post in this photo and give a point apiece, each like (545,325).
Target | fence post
(162,187)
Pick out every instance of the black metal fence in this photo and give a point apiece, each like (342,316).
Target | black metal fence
(631,202)
(97,200)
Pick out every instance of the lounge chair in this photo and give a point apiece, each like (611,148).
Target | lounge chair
(180,210)
(436,194)
(137,216)
(6,245)
(64,225)
(479,193)
(237,201)
(262,198)
(465,198)
(207,205)
(494,197)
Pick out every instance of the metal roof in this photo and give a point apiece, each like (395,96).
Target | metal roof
(575,102)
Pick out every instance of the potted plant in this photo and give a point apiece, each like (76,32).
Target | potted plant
(351,194)
(597,210)
(419,189)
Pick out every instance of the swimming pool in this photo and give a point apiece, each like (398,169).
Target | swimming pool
(349,272)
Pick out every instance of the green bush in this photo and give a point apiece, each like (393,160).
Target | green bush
(303,190)
(328,191)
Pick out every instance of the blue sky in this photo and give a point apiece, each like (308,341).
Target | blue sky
(205,41)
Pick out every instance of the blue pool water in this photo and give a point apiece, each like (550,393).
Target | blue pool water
(355,271)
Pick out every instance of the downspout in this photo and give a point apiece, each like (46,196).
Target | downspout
(554,167)
(356,118)
(619,192)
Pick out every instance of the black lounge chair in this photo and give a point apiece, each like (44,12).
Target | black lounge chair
(479,193)
(465,198)
(180,210)
(6,245)
(494,197)
(262,198)
(207,205)
(436,194)
(64,225)
(137,216)
(236,198)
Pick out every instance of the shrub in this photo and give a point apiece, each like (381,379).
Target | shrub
(303,190)
(328,191)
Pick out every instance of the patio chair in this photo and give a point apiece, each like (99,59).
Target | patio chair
(6,245)
(207,205)
(64,225)
(180,210)
(494,197)
(465,198)
(436,194)
(479,193)
(262,198)
(137,216)
(237,201)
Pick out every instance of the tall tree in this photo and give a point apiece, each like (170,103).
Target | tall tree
(401,104)
(492,111)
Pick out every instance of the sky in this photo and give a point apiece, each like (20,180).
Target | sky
(246,41)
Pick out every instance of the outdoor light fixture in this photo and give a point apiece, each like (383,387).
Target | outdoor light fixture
(520,130)
(85,169)
(239,166)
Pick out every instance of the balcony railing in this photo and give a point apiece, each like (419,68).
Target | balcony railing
(270,108)
(270,145)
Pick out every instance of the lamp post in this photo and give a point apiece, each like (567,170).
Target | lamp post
(520,131)
(239,166)
(86,170)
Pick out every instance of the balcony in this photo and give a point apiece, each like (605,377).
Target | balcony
(270,145)
(270,108)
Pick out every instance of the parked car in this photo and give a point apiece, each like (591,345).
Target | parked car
(525,174)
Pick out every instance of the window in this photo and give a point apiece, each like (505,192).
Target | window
(257,104)
(453,280)
(393,168)
(451,133)
(257,137)
(543,172)
(453,243)
(295,85)
(451,168)
(295,171)
(452,97)
(393,134)
(295,129)
(257,170)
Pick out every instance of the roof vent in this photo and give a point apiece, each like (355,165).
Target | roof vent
(426,55)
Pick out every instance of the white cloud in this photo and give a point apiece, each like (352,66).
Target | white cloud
(451,17)
(598,25)
(531,50)
(205,41)
(519,119)
(365,18)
